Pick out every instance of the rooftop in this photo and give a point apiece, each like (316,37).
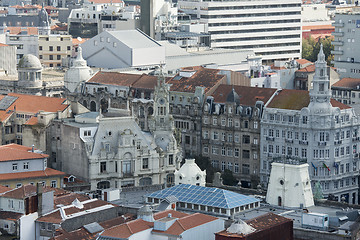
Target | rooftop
(214,197)
(133,38)
(296,100)
(248,95)
(13,152)
(48,172)
(348,83)
(28,191)
(203,77)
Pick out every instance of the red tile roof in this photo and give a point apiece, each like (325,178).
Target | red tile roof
(18,30)
(310,68)
(27,191)
(175,214)
(68,198)
(318,27)
(105,1)
(33,104)
(303,61)
(348,83)
(32,121)
(11,216)
(47,173)
(185,223)
(4,189)
(248,95)
(75,41)
(127,229)
(203,77)
(13,152)
(296,100)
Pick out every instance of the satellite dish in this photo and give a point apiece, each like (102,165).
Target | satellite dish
(79,39)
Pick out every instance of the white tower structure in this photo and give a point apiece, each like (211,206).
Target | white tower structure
(289,185)
(79,72)
(190,173)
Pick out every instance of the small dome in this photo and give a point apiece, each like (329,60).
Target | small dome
(233,97)
(29,61)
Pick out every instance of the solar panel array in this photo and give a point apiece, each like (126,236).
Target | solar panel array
(6,102)
(213,197)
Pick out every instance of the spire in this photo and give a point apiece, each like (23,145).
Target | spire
(321,55)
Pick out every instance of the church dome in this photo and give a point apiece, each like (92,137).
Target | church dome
(29,61)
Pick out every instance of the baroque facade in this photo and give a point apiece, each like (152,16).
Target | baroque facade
(311,127)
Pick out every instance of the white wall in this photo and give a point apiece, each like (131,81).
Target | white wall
(204,232)
(27,226)
(16,206)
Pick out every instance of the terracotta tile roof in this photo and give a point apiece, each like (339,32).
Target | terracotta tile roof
(48,172)
(127,229)
(11,216)
(296,100)
(68,198)
(26,7)
(348,83)
(59,28)
(33,104)
(146,82)
(248,95)
(318,27)
(185,223)
(3,45)
(203,77)
(18,30)
(310,68)
(175,214)
(303,61)
(14,151)
(27,191)
(4,189)
(267,221)
(32,121)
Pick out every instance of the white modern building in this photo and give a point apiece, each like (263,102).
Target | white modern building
(270,28)
(346,40)
(310,127)
(123,49)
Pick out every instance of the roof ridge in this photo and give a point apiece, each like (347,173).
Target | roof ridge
(226,200)
(177,220)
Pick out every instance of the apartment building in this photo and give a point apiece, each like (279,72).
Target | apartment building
(53,48)
(346,37)
(270,28)
(303,126)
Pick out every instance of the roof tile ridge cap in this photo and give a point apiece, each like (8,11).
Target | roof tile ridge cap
(178,221)
(225,191)
(127,225)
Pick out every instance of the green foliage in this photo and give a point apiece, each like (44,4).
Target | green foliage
(311,48)
(204,164)
(228,178)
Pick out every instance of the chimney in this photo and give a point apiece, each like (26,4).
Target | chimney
(39,191)
(32,148)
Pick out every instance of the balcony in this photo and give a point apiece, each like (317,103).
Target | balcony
(338,142)
(270,138)
(303,142)
(337,43)
(289,140)
(321,143)
(337,34)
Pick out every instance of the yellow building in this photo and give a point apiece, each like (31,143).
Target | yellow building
(52,48)
(20,165)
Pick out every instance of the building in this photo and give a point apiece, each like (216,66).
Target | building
(25,123)
(347,91)
(272,30)
(123,49)
(346,35)
(231,130)
(163,225)
(190,173)
(316,31)
(21,165)
(114,152)
(8,59)
(214,201)
(267,227)
(54,48)
(311,127)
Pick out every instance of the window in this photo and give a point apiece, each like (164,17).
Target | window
(145,164)
(102,167)
(171,159)
(223,166)
(87,133)
(236,167)
(246,139)
(215,135)
(51,48)
(230,137)
(206,150)
(26,165)
(68,48)
(215,150)
(58,48)
(246,154)
(229,152)
(255,125)
(246,169)
(14,167)
(58,57)
(53,183)
(236,152)
(18,185)
(230,122)
(246,124)
(215,121)
(223,151)
(223,122)
(51,57)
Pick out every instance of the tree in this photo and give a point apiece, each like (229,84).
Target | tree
(311,48)
(228,178)
(204,164)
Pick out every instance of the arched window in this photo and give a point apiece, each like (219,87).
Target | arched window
(92,106)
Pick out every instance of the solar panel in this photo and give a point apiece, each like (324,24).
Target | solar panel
(214,197)
(6,102)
